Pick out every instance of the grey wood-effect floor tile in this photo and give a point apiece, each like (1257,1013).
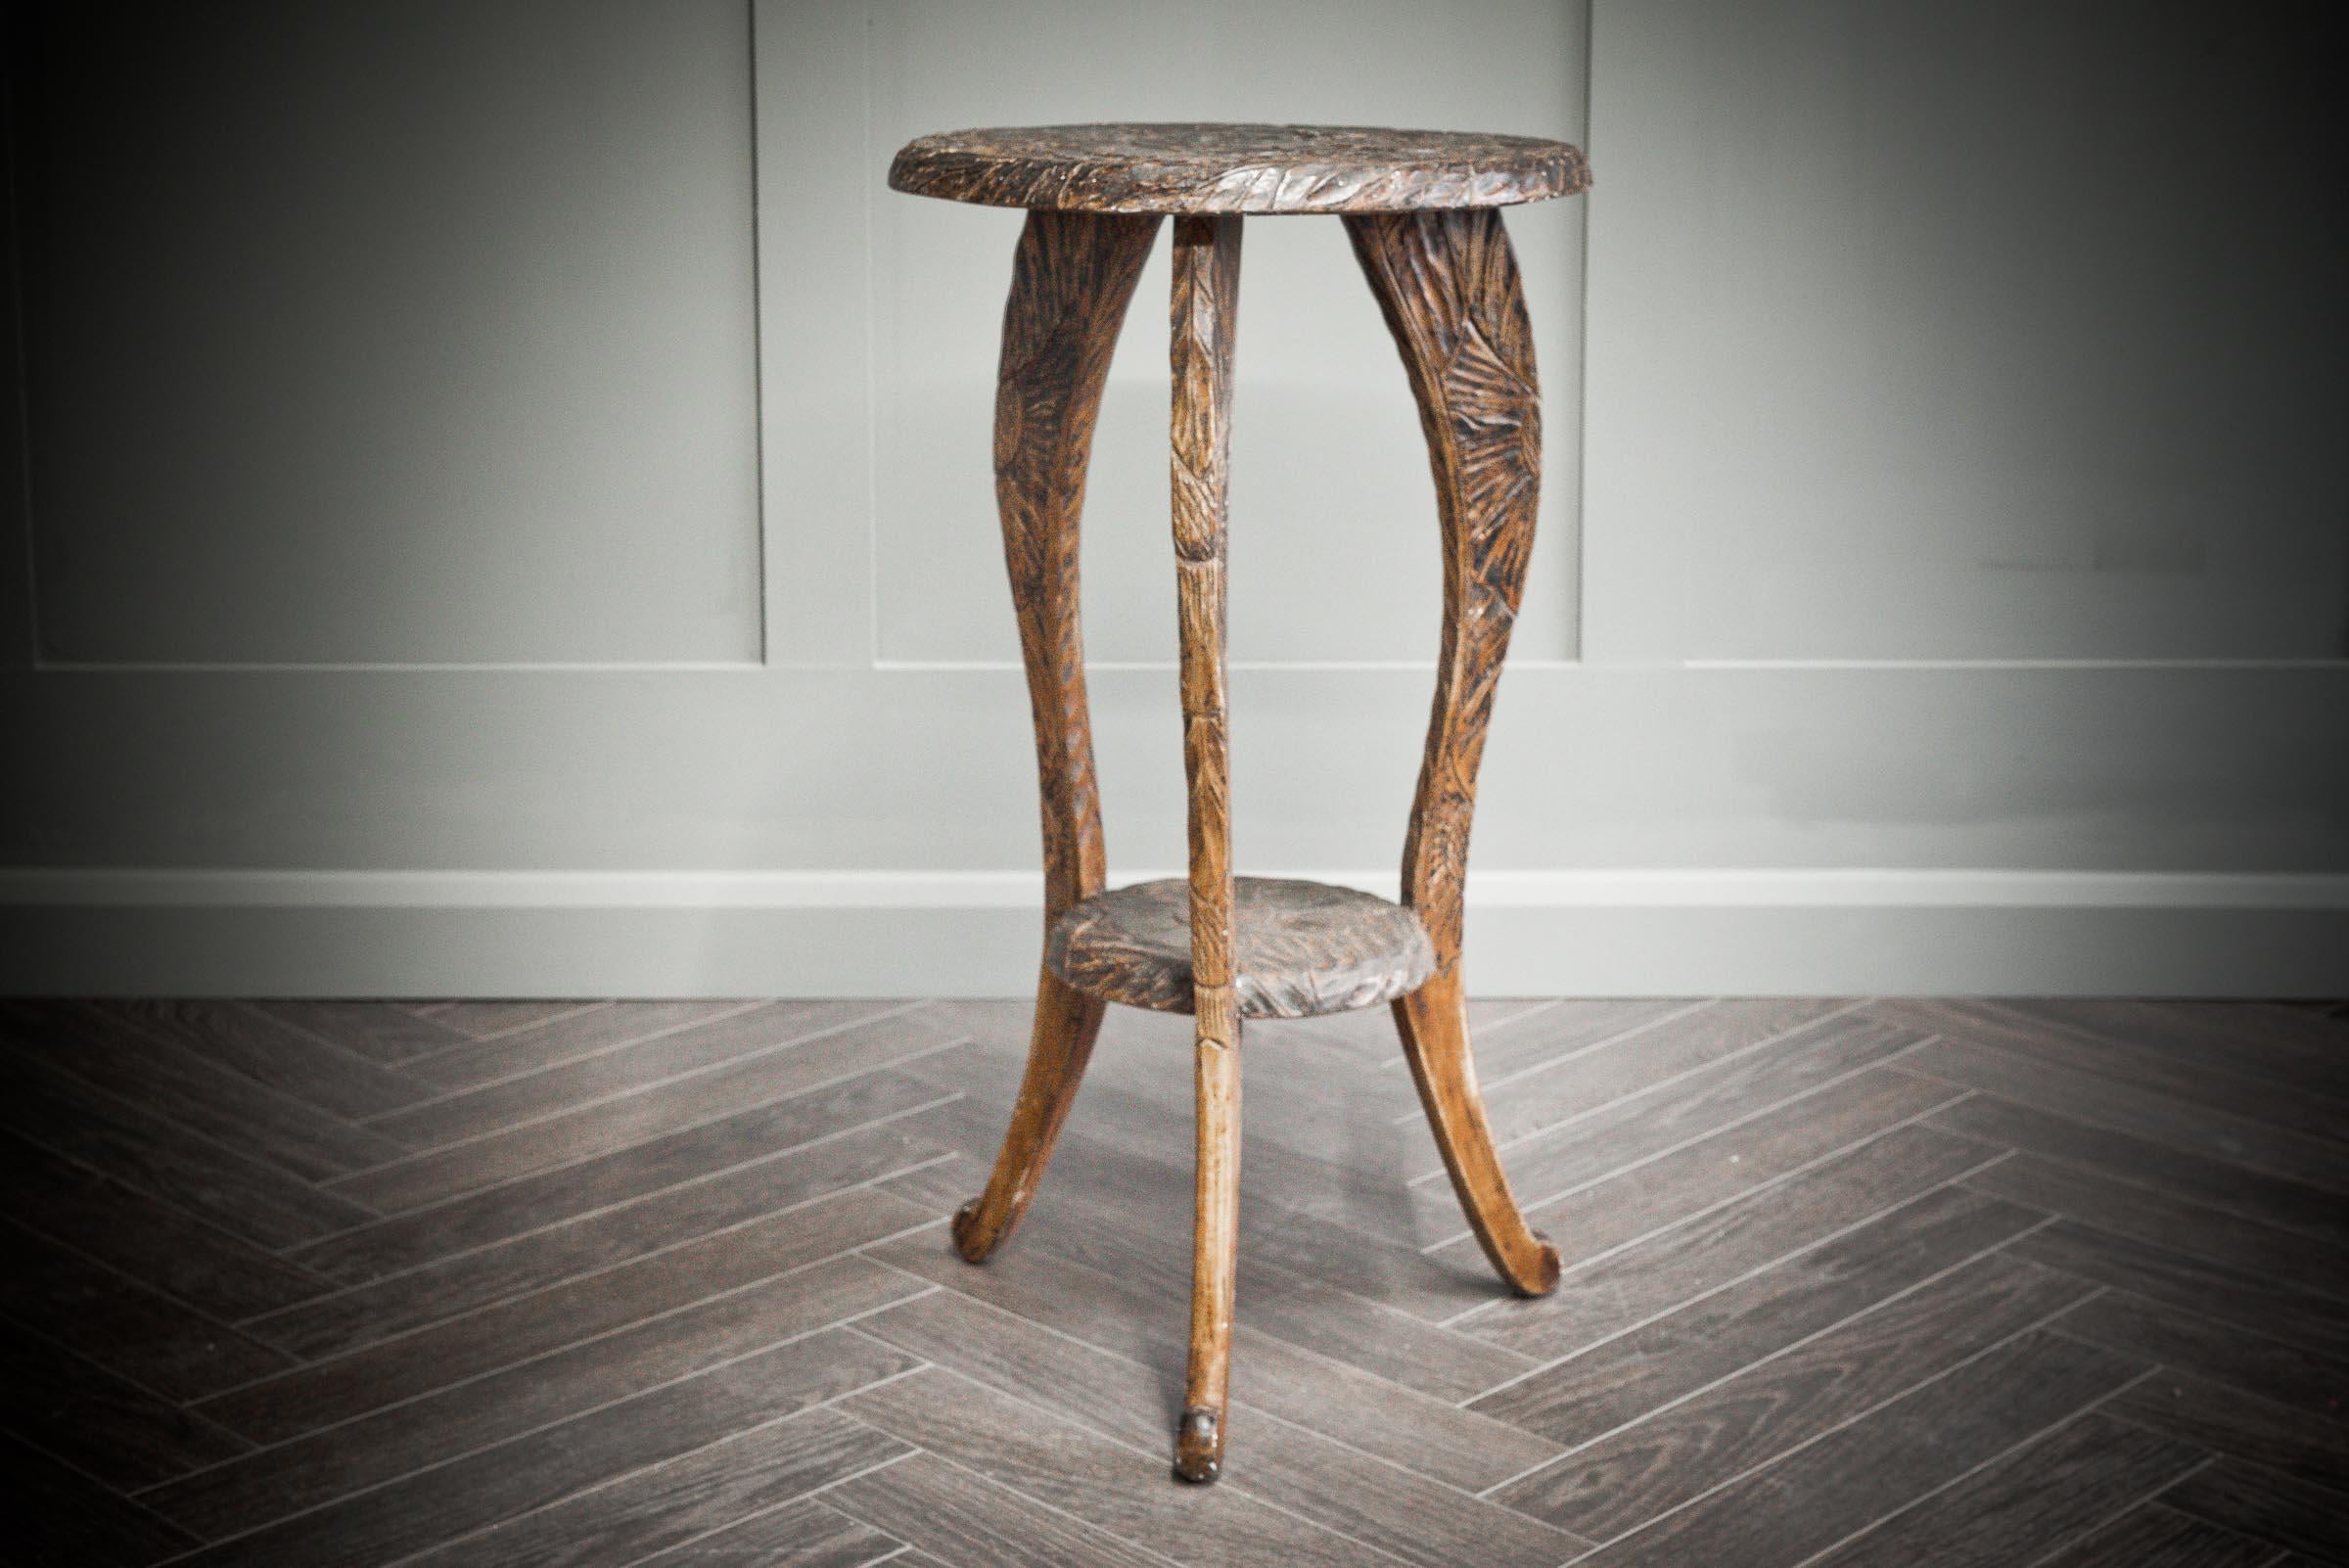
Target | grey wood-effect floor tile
(2315,1322)
(1625,1378)
(119,1433)
(578,1035)
(321,1393)
(681,1045)
(248,1492)
(1815,1496)
(2228,1240)
(1622,1289)
(124,1057)
(1022,1357)
(2254,1500)
(384,1032)
(2154,1536)
(684,1500)
(603,1177)
(1112,1486)
(60,1516)
(971,1522)
(487,1019)
(2198,1077)
(467,1493)
(1662,1190)
(1704,1103)
(254,1045)
(212,1269)
(1612,1486)
(468,1281)
(1513,1043)
(730,1087)
(2222,1352)
(163,1160)
(798,1535)
(2195,1178)
(119,1323)
(2054,1488)
(2288,1052)
(1561,1092)
(2245,1426)
(2048,1085)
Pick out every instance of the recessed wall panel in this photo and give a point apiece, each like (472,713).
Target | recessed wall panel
(1953,331)
(399,333)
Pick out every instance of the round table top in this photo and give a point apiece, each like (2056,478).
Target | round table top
(1236,168)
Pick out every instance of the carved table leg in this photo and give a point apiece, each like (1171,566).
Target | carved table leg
(1072,279)
(1447,283)
(1207,281)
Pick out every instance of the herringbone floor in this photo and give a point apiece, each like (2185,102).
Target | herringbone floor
(335,1285)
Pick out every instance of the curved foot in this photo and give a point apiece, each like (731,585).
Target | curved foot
(1199,1446)
(1067,1022)
(1434,1024)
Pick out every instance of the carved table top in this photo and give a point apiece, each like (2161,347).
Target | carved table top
(1236,168)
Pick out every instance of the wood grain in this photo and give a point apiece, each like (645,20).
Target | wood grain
(1205,318)
(1193,169)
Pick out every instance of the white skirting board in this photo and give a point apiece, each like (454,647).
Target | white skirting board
(1800,932)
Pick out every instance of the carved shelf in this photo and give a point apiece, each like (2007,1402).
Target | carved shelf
(1304,948)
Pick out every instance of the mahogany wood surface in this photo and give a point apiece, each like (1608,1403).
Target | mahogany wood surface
(1236,168)
(1303,948)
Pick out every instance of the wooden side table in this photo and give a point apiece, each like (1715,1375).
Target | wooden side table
(1422,210)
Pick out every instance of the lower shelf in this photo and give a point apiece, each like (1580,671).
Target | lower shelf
(1304,948)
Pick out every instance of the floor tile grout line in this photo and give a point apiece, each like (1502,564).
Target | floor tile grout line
(367,1065)
(2333,1290)
(1718,1064)
(524,1075)
(501,1441)
(2119,1177)
(267,1007)
(2106,1521)
(1062,1417)
(441,1095)
(1711,1291)
(2257,1131)
(1695,1138)
(1245,1406)
(2220,1324)
(1393,1061)
(739,1435)
(213,1319)
(49,1068)
(985,1480)
(437,1260)
(577,1008)
(1585,1048)
(184,1409)
(318,1363)
(171,1208)
(1854,1419)
(2009,1451)
(1793,1173)
(469,1194)
(2011,1022)
(1789,1348)
(115,1494)
(423,1154)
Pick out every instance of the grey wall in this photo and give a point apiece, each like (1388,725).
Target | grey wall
(506,506)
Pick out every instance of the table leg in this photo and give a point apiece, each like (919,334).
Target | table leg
(1448,284)
(1072,279)
(1206,304)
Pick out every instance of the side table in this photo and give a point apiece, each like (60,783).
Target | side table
(1421,209)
